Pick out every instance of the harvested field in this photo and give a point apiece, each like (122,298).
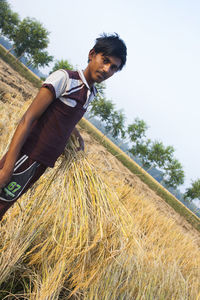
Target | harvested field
(114,239)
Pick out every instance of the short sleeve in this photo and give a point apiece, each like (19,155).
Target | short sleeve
(56,82)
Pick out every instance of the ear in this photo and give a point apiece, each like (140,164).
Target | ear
(92,54)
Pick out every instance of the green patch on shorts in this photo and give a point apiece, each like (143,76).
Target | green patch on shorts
(17,183)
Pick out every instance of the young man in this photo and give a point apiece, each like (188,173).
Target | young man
(43,131)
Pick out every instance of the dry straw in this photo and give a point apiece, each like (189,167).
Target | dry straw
(81,233)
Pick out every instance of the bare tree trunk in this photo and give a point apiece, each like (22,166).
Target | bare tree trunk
(29,63)
(9,50)
(149,169)
(18,58)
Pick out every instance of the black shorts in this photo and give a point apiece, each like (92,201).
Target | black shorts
(19,180)
(26,173)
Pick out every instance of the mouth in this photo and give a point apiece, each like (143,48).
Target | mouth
(100,75)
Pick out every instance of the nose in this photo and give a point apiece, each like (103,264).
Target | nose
(106,68)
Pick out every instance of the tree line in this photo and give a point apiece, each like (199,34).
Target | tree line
(152,154)
(30,39)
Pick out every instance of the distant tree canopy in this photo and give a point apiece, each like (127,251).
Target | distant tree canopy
(40,59)
(29,37)
(62,64)
(155,154)
(193,192)
(9,20)
(105,109)
(174,174)
(152,154)
(117,124)
(137,130)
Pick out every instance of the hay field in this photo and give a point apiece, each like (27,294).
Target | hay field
(91,230)
(146,178)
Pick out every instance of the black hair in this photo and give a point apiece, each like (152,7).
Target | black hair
(111,45)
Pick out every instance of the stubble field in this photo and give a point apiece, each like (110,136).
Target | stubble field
(90,229)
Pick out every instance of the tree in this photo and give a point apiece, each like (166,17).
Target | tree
(193,192)
(9,20)
(155,155)
(116,126)
(141,150)
(137,130)
(159,155)
(140,147)
(162,158)
(62,64)
(30,37)
(101,89)
(103,109)
(40,59)
(173,174)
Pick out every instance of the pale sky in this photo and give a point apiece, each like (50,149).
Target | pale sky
(160,83)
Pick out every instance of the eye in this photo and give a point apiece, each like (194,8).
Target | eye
(106,60)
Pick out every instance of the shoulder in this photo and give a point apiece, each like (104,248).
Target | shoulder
(72,74)
(60,74)
(57,82)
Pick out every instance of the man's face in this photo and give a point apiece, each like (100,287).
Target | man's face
(102,67)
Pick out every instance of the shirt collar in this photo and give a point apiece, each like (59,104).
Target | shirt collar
(93,88)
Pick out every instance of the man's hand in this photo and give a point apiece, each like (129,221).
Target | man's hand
(77,135)
(4,177)
(81,144)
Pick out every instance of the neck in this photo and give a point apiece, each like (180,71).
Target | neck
(88,78)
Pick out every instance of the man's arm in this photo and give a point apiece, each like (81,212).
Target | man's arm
(36,109)
(77,135)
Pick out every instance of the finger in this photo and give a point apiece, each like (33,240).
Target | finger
(79,149)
